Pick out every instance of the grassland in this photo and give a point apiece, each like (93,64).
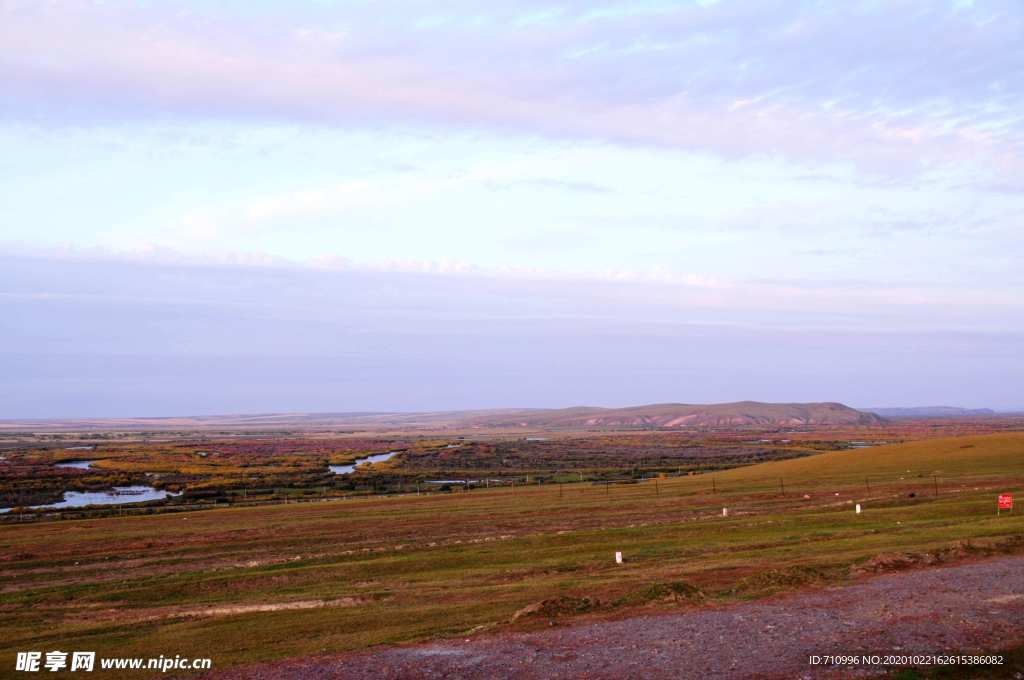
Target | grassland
(217,470)
(209,468)
(255,583)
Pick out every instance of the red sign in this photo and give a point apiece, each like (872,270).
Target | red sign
(1005,501)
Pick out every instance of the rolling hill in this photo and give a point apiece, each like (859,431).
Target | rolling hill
(690,416)
(744,414)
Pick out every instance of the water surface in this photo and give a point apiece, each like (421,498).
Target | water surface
(76,464)
(116,496)
(376,458)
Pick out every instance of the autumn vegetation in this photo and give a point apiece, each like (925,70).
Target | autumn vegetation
(256,582)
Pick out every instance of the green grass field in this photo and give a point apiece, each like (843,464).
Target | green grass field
(257,583)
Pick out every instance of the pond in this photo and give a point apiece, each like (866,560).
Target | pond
(376,458)
(116,496)
(76,464)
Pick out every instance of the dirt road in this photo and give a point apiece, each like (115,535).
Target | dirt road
(971,607)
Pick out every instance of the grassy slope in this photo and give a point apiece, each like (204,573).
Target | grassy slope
(1000,454)
(441,565)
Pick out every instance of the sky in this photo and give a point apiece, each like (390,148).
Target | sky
(239,206)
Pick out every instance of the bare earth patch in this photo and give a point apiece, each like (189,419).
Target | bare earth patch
(974,607)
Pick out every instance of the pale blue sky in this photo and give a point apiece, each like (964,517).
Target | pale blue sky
(721,185)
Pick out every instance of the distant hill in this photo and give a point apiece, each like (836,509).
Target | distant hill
(678,416)
(744,414)
(931,412)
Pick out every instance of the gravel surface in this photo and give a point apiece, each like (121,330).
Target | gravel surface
(972,607)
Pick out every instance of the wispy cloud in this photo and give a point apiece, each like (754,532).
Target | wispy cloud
(651,295)
(135,335)
(891,85)
(387,197)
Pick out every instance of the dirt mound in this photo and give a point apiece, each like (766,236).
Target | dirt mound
(891,562)
(568,606)
(555,607)
(779,579)
(672,591)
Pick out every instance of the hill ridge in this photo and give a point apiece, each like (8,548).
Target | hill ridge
(668,415)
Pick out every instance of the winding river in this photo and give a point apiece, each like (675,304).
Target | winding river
(76,464)
(116,496)
(376,458)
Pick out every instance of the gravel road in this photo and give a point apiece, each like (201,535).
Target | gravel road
(971,607)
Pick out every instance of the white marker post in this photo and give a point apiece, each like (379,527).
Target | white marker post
(858,508)
(725,512)
(618,558)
